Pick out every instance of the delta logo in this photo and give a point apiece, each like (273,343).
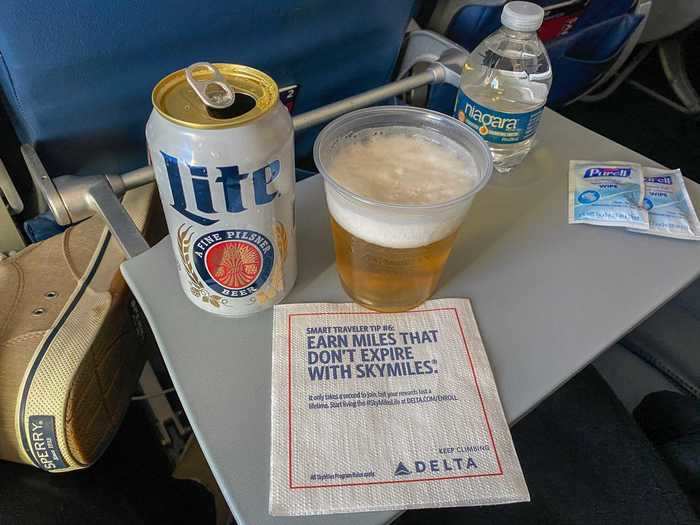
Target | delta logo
(435,465)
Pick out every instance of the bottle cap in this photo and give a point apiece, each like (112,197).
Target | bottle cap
(522,16)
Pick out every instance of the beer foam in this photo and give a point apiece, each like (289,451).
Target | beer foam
(400,165)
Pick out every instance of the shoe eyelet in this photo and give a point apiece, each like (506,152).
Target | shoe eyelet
(38,311)
(51,294)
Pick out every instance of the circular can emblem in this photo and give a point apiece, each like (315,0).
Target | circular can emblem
(233,263)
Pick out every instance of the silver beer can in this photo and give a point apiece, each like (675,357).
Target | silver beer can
(222,148)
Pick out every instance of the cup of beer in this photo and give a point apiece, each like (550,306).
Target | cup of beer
(399,181)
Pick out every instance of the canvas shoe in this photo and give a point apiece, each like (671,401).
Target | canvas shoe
(70,357)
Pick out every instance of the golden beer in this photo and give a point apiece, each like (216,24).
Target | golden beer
(398,183)
(388,279)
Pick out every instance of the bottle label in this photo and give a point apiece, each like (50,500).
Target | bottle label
(495,126)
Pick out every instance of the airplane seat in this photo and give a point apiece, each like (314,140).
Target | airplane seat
(659,354)
(670,22)
(77,76)
(584,39)
(76,81)
(667,340)
(668,17)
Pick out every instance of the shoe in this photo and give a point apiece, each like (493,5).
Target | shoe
(70,356)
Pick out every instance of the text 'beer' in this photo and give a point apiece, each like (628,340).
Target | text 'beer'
(221,146)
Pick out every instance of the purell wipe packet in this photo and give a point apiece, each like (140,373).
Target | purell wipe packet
(607,194)
(671,212)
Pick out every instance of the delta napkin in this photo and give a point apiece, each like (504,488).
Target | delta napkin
(385,411)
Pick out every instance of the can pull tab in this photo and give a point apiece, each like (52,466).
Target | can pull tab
(215,91)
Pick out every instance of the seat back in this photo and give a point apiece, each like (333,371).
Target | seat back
(583,38)
(77,76)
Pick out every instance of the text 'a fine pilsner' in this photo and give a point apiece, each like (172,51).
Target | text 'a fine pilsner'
(222,149)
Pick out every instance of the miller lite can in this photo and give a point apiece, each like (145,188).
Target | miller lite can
(222,148)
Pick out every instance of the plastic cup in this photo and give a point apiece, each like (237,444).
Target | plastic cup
(390,256)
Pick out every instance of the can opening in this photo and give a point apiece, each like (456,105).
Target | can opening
(215,96)
(242,104)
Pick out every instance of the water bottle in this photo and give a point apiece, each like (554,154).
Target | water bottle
(504,85)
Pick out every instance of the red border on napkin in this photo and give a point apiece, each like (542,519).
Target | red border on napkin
(440,478)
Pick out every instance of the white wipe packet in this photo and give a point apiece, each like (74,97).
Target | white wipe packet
(671,212)
(607,194)
(385,411)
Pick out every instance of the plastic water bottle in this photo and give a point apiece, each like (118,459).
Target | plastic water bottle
(504,85)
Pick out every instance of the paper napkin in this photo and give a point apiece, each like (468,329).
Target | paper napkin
(385,411)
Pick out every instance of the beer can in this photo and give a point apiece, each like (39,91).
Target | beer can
(221,146)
